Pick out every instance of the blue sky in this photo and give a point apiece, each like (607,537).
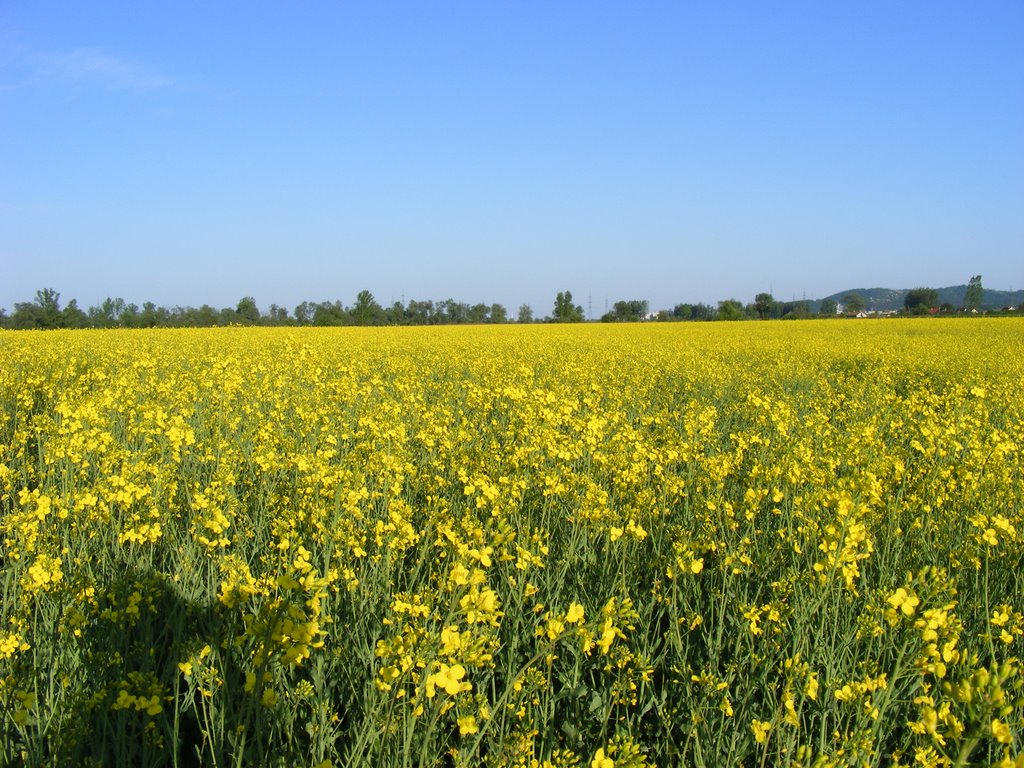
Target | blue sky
(191,153)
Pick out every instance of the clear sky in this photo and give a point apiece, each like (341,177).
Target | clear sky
(190,153)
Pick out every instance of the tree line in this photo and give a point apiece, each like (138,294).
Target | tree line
(45,311)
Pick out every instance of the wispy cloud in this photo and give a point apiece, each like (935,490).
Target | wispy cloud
(25,65)
(97,67)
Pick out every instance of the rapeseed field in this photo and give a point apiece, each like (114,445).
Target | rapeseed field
(606,546)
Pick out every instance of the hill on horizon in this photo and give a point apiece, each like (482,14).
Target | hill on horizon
(884,299)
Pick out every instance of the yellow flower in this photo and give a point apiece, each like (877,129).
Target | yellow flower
(811,689)
(460,574)
(124,700)
(726,706)
(601,760)
(11,643)
(449,678)
(902,600)
(451,640)
(760,729)
(575,613)
(1001,732)
(467,725)
(153,706)
(791,717)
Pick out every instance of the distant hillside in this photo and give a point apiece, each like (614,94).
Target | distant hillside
(881,299)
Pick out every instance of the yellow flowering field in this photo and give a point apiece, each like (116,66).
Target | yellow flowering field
(687,544)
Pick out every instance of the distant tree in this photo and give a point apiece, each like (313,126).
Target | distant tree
(454,312)
(702,311)
(130,317)
(682,312)
(366,310)
(151,315)
(106,314)
(764,303)
(565,311)
(478,313)
(853,303)
(795,310)
(637,308)
(330,313)
(525,314)
(186,317)
(974,295)
(304,313)
(44,312)
(631,311)
(421,312)
(49,301)
(395,314)
(699,311)
(730,309)
(498,313)
(919,300)
(28,315)
(247,311)
(828,308)
(72,316)
(101,315)
(277,315)
(206,316)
